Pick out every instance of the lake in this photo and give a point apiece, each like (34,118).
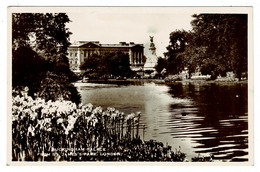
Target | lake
(198,118)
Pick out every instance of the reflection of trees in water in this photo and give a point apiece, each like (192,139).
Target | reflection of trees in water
(223,109)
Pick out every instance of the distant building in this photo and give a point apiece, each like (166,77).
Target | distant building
(81,50)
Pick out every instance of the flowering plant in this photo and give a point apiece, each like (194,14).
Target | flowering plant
(45,125)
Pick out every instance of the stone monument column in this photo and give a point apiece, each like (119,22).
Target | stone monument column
(152,46)
(151,57)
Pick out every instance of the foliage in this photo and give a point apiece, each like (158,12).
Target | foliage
(112,63)
(202,158)
(192,58)
(221,34)
(39,48)
(55,86)
(161,64)
(62,131)
(178,41)
(217,44)
(91,63)
(28,69)
(178,155)
(45,33)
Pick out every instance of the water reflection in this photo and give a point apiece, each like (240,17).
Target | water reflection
(218,119)
(205,118)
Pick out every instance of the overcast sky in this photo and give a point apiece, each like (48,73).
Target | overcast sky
(128,24)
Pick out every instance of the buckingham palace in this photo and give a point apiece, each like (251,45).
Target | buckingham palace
(81,50)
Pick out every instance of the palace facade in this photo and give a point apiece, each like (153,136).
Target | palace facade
(81,50)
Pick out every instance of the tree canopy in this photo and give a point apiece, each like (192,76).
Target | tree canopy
(178,41)
(39,53)
(111,63)
(216,44)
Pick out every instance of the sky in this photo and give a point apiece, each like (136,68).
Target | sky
(128,24)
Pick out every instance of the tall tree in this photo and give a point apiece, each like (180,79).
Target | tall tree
(217,44)
(225,38)
(44,33)
(178,41)
(43,40)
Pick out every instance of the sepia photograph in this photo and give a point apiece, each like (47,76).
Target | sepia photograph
(130,84)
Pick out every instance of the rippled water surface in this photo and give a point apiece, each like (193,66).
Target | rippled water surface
(198,118)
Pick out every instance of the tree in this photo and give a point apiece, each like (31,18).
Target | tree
(44,33)
(40,42)
(161,64)
(217,44)
(119,64)
(239,50)
(225,38)
(28,68)
(91,63)
(193,55)
(178,41)
(112,63)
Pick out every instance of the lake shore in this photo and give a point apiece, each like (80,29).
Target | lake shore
(125,81)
